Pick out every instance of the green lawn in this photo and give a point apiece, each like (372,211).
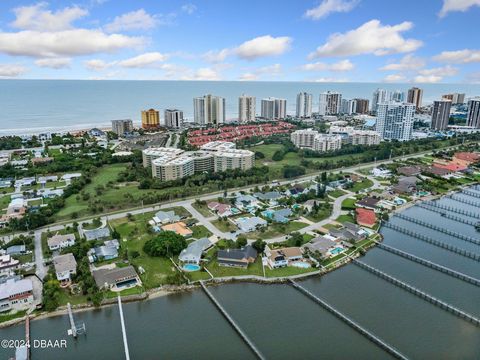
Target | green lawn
(275,230)
(361,185)
(4,201)
(225,226)
(322,214)
(197,275)
(348,204)
(336,193)
(67,297)
(8,317)
(202,209)
(222,271)
(275,167)
(287,271)
(130,291)
(345,218)
(200,231)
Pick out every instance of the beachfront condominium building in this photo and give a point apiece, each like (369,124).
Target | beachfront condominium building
(379,96)
(246,108)
(150,119)
(395,120)
(414,96)
(173,119)
(170,164)
(348,107)
(121,127)
(311,139)
(209,110)
(274,109)
(473,114)
(398,96)
(441,114)
(304,105)
(456,98)
(361,106)
(330,103)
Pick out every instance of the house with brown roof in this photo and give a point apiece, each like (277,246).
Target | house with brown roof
(278,258)
(366,217)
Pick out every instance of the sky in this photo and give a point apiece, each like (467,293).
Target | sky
(408,41)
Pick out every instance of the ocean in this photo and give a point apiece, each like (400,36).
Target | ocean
(35,106)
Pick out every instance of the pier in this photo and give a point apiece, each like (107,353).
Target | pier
(233,323)
(427,239)
(438,228)
(471,192)
(124,332)
(75,329)
(447,215)
(430,264)
(421,294)
(464,201)
(370,336)
(453,209)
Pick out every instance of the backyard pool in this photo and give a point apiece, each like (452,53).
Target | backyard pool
(301,264)
(336,251)
(191,267)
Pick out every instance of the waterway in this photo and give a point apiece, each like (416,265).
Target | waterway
(283,323)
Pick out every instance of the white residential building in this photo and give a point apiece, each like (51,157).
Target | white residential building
(395,120)
(246,108)
(353,136)
(274,109)
(173,118)
(348,107)
(330,103)
(303,138)
(234,159)
(209,110)
(59,241)
(304,105)
(16,294)
(327,142)
(379,96)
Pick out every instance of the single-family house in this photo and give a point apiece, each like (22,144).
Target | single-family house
(59,241)
(65,266)
(7,263)
(324,246)
(295,190)
(237,257)
(412,170)
(166,217)
(16,250)
(97,234)
(310,204)
(366,217)
(270,197)
(221,209)
(107,251)
(406,185)
(248,224)
(179,227)
(246,202)
(279,216)
(116,279)
(16,294)
(368,203)
(277,258)
(193,253)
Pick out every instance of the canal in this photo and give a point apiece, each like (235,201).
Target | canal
(283,323)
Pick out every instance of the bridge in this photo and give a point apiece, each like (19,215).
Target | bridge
(421,294)
(233,323)
(430,264)
(370,336)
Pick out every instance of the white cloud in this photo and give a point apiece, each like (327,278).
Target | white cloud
(248,77)
(203,74)
(427,79)
(394,78)
(37,17)
(189,8)
(97,65)
(144,60)
(370,38)
(263,46)
(64,43)
(215,56)
(457,5)
(326,7)
(134,20)
(330,79)
(464,56)
(408,62)
(269,70)
(439,71)
(54,63)
(12,70)
(342,65)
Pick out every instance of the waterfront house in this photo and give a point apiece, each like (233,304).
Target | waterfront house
(97,234)
(248,224)
(165,217)
(406,185)
(116,279)
(65,266)
(365,217)
(16,294)
(59,241)
(324,246)
(368,203)
(193,253)
(237,257)
(345,234)
(179,227)
(281,257)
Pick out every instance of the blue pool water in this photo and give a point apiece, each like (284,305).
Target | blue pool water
(190,267)
(301,264)
(336,251)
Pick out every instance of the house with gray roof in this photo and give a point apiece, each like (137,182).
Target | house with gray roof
(246,202)
(59,241)
(65,266)
(270,197)
(116,279)
(166,217)
(16,250)
(193,253)
(237,257)
(324,246)
(279,216)
(97,234)
(248,224)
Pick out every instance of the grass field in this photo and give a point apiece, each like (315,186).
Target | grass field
(223,271)
(275,230)
(336,193)
(225,226)
(361,185)
(202,209)
(348,204)
(200,231)
(275,167)
(345,218)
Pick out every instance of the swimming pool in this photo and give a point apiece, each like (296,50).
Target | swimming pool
(336,251)
(191,267)
(301,264)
